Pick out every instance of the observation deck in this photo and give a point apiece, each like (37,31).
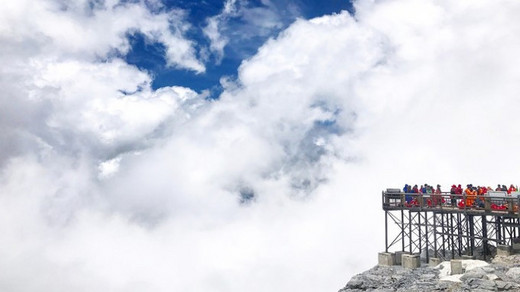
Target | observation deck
(440,226)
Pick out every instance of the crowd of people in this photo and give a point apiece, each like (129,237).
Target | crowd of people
(471,196)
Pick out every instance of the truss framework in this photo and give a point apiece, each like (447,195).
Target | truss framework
(448,234)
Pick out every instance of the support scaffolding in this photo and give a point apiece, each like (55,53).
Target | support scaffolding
(445,231)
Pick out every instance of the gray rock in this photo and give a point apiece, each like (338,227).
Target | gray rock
(488,269)
(355,283)
(506,286)
(486,285)
(514,274)
(443,285)
(396,278)
(477,273)
(428,276)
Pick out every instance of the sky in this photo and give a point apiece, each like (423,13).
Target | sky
(238,145)
(224,34)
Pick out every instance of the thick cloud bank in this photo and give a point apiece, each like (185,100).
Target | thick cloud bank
(108,185)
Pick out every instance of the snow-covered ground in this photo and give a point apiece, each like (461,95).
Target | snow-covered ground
(467,265)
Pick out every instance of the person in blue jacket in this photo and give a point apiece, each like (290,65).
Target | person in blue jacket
(407,190)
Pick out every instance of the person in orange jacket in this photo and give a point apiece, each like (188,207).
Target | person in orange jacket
(481,191)
(471,195)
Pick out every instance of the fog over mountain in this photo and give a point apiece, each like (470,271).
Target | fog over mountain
(110,184)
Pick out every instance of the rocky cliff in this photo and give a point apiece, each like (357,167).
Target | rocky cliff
(501,274)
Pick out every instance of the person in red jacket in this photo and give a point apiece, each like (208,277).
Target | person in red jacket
(511,189)
(459,192)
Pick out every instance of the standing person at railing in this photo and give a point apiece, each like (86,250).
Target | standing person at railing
(471,195)
(407,190)
(499,188)
(511,189)
(459,190)
(453,189)
(459,193)
(479,202)
(429,189)
(437,200)
(453,193)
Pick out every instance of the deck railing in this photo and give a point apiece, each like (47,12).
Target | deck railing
(394,199)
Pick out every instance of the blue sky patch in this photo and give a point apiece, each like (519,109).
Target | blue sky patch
(245,30)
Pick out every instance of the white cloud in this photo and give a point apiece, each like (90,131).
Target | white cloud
(215,25)
(62,29)
(56,85)
(109,168)
(239,23)
(319,121)
(104,107)
(217,41)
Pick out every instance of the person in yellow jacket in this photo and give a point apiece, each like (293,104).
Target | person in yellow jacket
(471,195)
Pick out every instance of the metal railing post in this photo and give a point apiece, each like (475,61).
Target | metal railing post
(518,204)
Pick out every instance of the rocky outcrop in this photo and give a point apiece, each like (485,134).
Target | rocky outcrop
(501,274)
